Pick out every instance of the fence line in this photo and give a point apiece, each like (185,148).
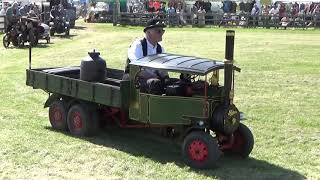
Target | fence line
(210,19)
(2,23)
(222,20)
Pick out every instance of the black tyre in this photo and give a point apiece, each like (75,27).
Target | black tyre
(33,40)
(15,42)
(48,40)
(242,143)
(52,32)
(58,115)
(20,41)
(6,41)
(200,150)
(67,32)
(82,121)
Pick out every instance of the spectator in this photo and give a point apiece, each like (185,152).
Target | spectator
(163,8)
(282,11)
(201,17)
(150,6)
(180,15)
(54,12)
(172,15)
(156,5)
(302,7)
(255,10)
(207,6)
(3,11)
(226,6)
(12,15)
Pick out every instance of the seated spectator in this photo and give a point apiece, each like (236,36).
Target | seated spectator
(156,5)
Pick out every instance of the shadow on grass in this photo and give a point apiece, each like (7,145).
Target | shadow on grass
(144,143)
(39,45)
(63,36)
(79,27)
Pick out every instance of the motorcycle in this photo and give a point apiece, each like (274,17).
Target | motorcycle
(12,36)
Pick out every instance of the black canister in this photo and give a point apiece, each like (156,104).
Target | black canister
(93,68)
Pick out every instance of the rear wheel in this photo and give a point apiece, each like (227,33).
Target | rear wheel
(6,41)
(58,115)
(200,150)
(82,121)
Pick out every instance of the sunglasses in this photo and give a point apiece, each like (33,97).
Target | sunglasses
(160,31)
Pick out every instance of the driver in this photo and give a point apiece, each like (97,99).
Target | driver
(54,12)
(12,16)
(149,45)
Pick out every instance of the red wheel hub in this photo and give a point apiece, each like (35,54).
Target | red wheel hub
(198,150)
(77,121)
(57,115)
(233,142)
(238,141)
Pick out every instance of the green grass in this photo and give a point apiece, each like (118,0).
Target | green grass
(278,89)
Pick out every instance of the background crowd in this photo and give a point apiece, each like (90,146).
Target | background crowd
(283,13)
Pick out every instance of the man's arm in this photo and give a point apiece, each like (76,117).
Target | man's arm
(135,51)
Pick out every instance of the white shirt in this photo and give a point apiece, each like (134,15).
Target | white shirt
(135,52)
(274,11)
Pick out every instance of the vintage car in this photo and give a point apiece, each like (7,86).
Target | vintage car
(59,25)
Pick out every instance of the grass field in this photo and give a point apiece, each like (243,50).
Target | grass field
(278,89)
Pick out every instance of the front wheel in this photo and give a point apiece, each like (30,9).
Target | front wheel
(200,150)
(240,142)
(6,41)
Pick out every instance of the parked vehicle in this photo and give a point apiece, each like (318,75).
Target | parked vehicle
(39,31)
(43,32)
(194,108)
(99,14)
(59,25)
(25,30)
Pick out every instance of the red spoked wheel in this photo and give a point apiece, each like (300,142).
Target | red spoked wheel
(58,115)
(239,143)
(82,121)
(77,121)
(200,150)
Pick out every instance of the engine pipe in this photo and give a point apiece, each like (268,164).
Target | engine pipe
(29,56)
(228,64)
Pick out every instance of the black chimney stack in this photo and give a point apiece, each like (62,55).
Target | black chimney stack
(30,55)
(228,64)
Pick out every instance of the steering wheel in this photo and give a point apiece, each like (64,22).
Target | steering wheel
(193,78)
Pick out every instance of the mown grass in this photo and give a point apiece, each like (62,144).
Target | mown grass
(278,89)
